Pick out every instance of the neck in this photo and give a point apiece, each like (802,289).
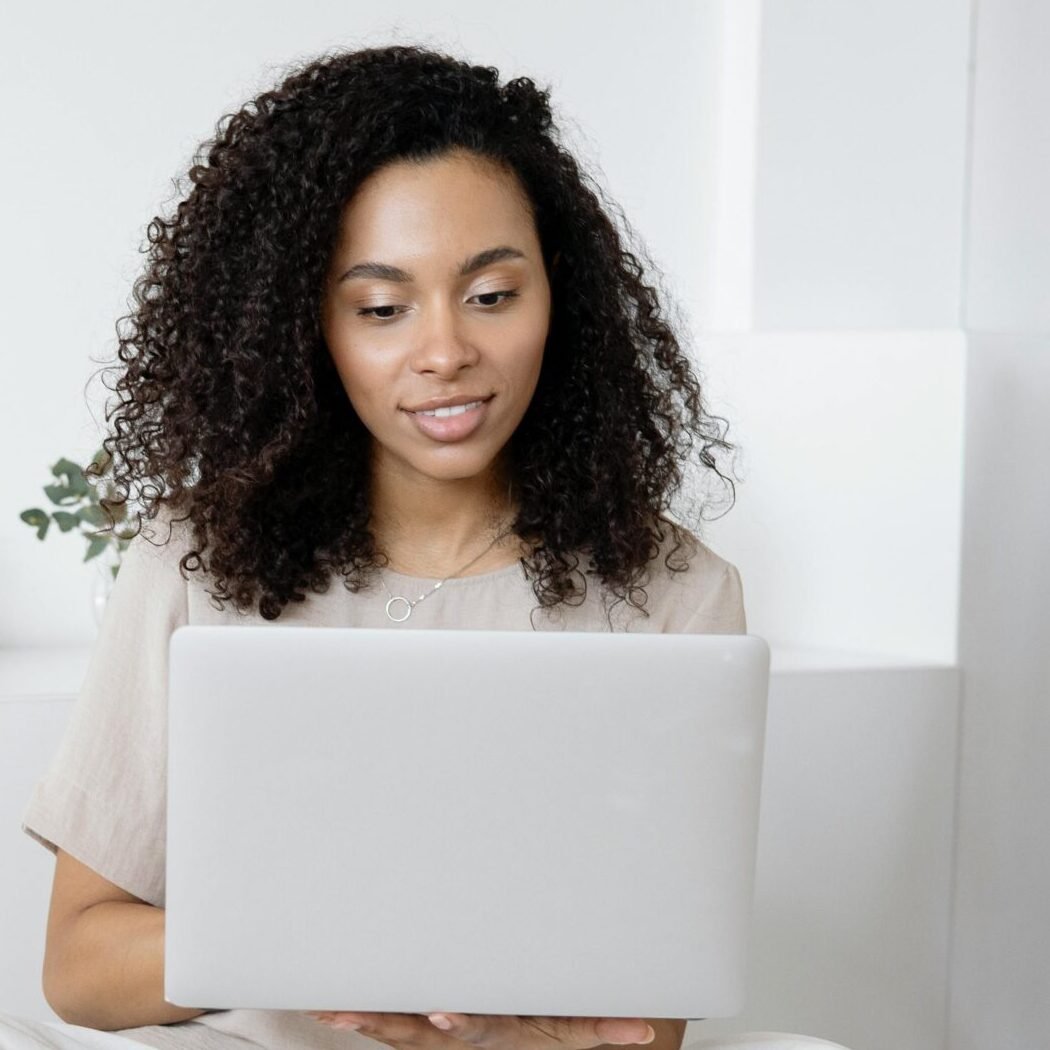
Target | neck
(432,527)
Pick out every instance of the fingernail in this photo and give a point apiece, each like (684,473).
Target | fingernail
(652,1035)
(440,1021)
(347,1024)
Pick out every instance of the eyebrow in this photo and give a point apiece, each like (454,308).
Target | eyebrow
(385,272)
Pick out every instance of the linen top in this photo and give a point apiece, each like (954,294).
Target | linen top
(103,797)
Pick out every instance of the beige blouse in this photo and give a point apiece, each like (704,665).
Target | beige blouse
(103,797)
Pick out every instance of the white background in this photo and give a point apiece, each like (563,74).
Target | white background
(847,199)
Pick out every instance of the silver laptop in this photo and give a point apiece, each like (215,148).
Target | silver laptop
(489,822)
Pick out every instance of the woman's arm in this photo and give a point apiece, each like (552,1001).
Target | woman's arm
(104,960)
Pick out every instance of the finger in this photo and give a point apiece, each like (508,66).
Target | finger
(395,1029)
(497,1030)
(575,1033)
(624,1030)
(583,1032)
(380,1025)
(325,1017)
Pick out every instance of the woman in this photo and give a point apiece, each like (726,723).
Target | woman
(395,229)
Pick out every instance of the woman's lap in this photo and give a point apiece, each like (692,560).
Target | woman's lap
(762,1041)
(19,1033)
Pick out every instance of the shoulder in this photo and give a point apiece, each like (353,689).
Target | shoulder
(697,564)
(151,557)
(700,590)
(166,530)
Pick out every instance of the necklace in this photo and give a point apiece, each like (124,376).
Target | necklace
(409,605)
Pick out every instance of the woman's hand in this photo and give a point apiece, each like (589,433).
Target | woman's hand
(491,1031)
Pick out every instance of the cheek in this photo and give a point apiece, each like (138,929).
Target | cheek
(522,373)
(525,349)
(530,359)
(365,381)
(358,364)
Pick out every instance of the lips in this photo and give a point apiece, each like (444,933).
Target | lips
(448,402)
(445,411)
(451,428)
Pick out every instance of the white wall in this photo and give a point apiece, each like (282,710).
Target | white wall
(1001,958)
(900,209)
(851,921)
(847,523)
(862,135)
(836,352)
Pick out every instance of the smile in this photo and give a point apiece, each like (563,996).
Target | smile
(451,424)
(454,410)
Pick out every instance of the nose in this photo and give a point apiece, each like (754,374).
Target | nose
(443,346)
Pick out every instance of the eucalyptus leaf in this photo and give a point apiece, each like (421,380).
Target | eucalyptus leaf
(73,475)
(95,548)
(39,519)
(61,494)
(64,467)
(66,521)
(81,496)
(92,514)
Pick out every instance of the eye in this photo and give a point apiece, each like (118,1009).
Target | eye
(506,295)
(370,311)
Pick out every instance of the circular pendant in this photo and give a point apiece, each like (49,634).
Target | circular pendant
(408,608)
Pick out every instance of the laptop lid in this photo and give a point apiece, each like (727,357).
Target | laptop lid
(490,822)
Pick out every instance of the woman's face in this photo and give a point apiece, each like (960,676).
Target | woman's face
(437,289)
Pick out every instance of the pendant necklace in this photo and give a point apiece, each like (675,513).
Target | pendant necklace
(408,605)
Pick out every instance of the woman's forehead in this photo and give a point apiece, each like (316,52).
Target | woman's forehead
(413,217)
(455,184)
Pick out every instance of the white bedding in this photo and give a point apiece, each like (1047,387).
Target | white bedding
(16,1033)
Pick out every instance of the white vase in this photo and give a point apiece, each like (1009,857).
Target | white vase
(103,581)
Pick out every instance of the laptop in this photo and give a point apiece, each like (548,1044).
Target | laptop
(481,821)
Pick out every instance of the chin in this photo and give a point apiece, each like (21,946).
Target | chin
(454,471)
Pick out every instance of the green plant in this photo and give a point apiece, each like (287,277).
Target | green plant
(80,501)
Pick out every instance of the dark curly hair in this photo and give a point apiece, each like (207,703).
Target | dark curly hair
(233,415)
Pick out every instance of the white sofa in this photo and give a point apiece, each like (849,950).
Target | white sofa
(850,932)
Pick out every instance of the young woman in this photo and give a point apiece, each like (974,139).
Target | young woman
(389,365)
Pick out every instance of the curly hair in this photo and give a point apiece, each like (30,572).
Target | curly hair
(231,410)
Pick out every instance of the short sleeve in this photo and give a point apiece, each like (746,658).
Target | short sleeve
(103,798)
(722,610)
